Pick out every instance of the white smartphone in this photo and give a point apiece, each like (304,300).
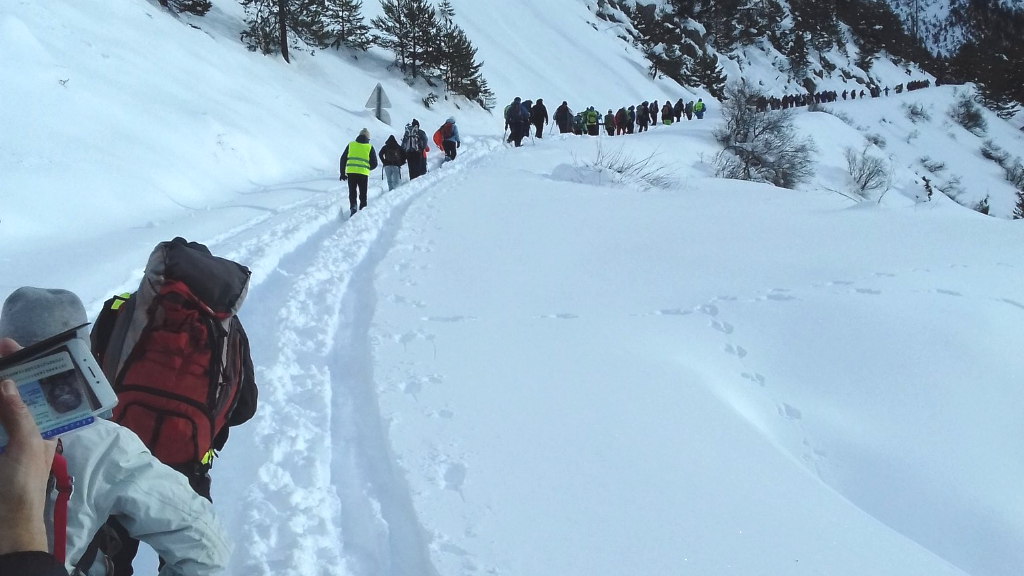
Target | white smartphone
(60,382)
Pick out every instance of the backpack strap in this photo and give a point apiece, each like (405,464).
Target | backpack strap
(65,486)
(106,541)
(103,328)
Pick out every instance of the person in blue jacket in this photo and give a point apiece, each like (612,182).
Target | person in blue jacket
(450,139)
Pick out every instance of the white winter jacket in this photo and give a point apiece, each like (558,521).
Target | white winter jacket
(116,475)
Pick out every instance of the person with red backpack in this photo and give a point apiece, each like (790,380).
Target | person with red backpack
(110,472)
(450,140)
(185,310)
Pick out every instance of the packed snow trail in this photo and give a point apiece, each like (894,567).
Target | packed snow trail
(319,507)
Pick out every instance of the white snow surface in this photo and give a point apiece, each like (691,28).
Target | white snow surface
(519,365)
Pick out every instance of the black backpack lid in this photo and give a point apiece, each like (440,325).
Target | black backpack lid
(220,283)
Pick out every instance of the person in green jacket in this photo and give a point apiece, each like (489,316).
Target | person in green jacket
(699,109)
(609,123)
(593,118)
(357,161)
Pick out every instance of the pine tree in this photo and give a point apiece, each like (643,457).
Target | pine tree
(659,40)
(720,20)
(1018,211)
(408,27)
(268,31)
(457,62)
(690,73)
(274,25)
(994,97)
(197,7)
(344,25)
(816,19)
(799,56)
(712,76)
(395,30)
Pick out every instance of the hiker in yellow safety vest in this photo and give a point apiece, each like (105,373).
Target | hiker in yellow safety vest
(357,161)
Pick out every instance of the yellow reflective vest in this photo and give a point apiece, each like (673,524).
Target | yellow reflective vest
(358,159)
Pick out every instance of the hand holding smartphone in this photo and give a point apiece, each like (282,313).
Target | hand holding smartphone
(60,382)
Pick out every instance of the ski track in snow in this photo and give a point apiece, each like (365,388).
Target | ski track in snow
(312,507)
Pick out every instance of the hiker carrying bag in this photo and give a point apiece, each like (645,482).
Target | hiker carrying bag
(178,357)
(411,139)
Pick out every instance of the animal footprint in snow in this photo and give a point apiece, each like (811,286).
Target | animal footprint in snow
(737,351)
(868,291)
(444,413)
(454,476)
(780,297)
(415,385)
(789,413)
(404,339)
(723,327)
(709,309)
(755,377)
(674,312)
(396,299)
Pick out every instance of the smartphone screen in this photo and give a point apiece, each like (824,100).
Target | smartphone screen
(58,390)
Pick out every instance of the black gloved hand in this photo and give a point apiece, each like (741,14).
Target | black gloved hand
(458,144)
(343,177)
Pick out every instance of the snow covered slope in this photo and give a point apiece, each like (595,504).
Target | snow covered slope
(498,369)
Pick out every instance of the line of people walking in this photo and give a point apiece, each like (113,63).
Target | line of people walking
(765,103)
(627,119)
(360,158)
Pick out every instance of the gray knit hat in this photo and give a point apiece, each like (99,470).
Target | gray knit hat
(31,315)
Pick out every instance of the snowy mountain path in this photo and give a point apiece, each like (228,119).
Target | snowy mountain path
(320,430)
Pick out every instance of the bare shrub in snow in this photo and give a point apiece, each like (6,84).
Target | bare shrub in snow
(933,166)
(1018,210)
(913,135)
(876,139)
(869,173)
(1015,174)
(954,187)
(916,112)
(968,114)
(761,147)
(645,172)
(982,206)
(994,152)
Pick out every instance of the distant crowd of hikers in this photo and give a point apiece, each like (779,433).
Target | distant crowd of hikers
(522,115)
(764,103)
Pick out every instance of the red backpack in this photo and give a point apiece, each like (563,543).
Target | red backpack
(177,356)
(446,131)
